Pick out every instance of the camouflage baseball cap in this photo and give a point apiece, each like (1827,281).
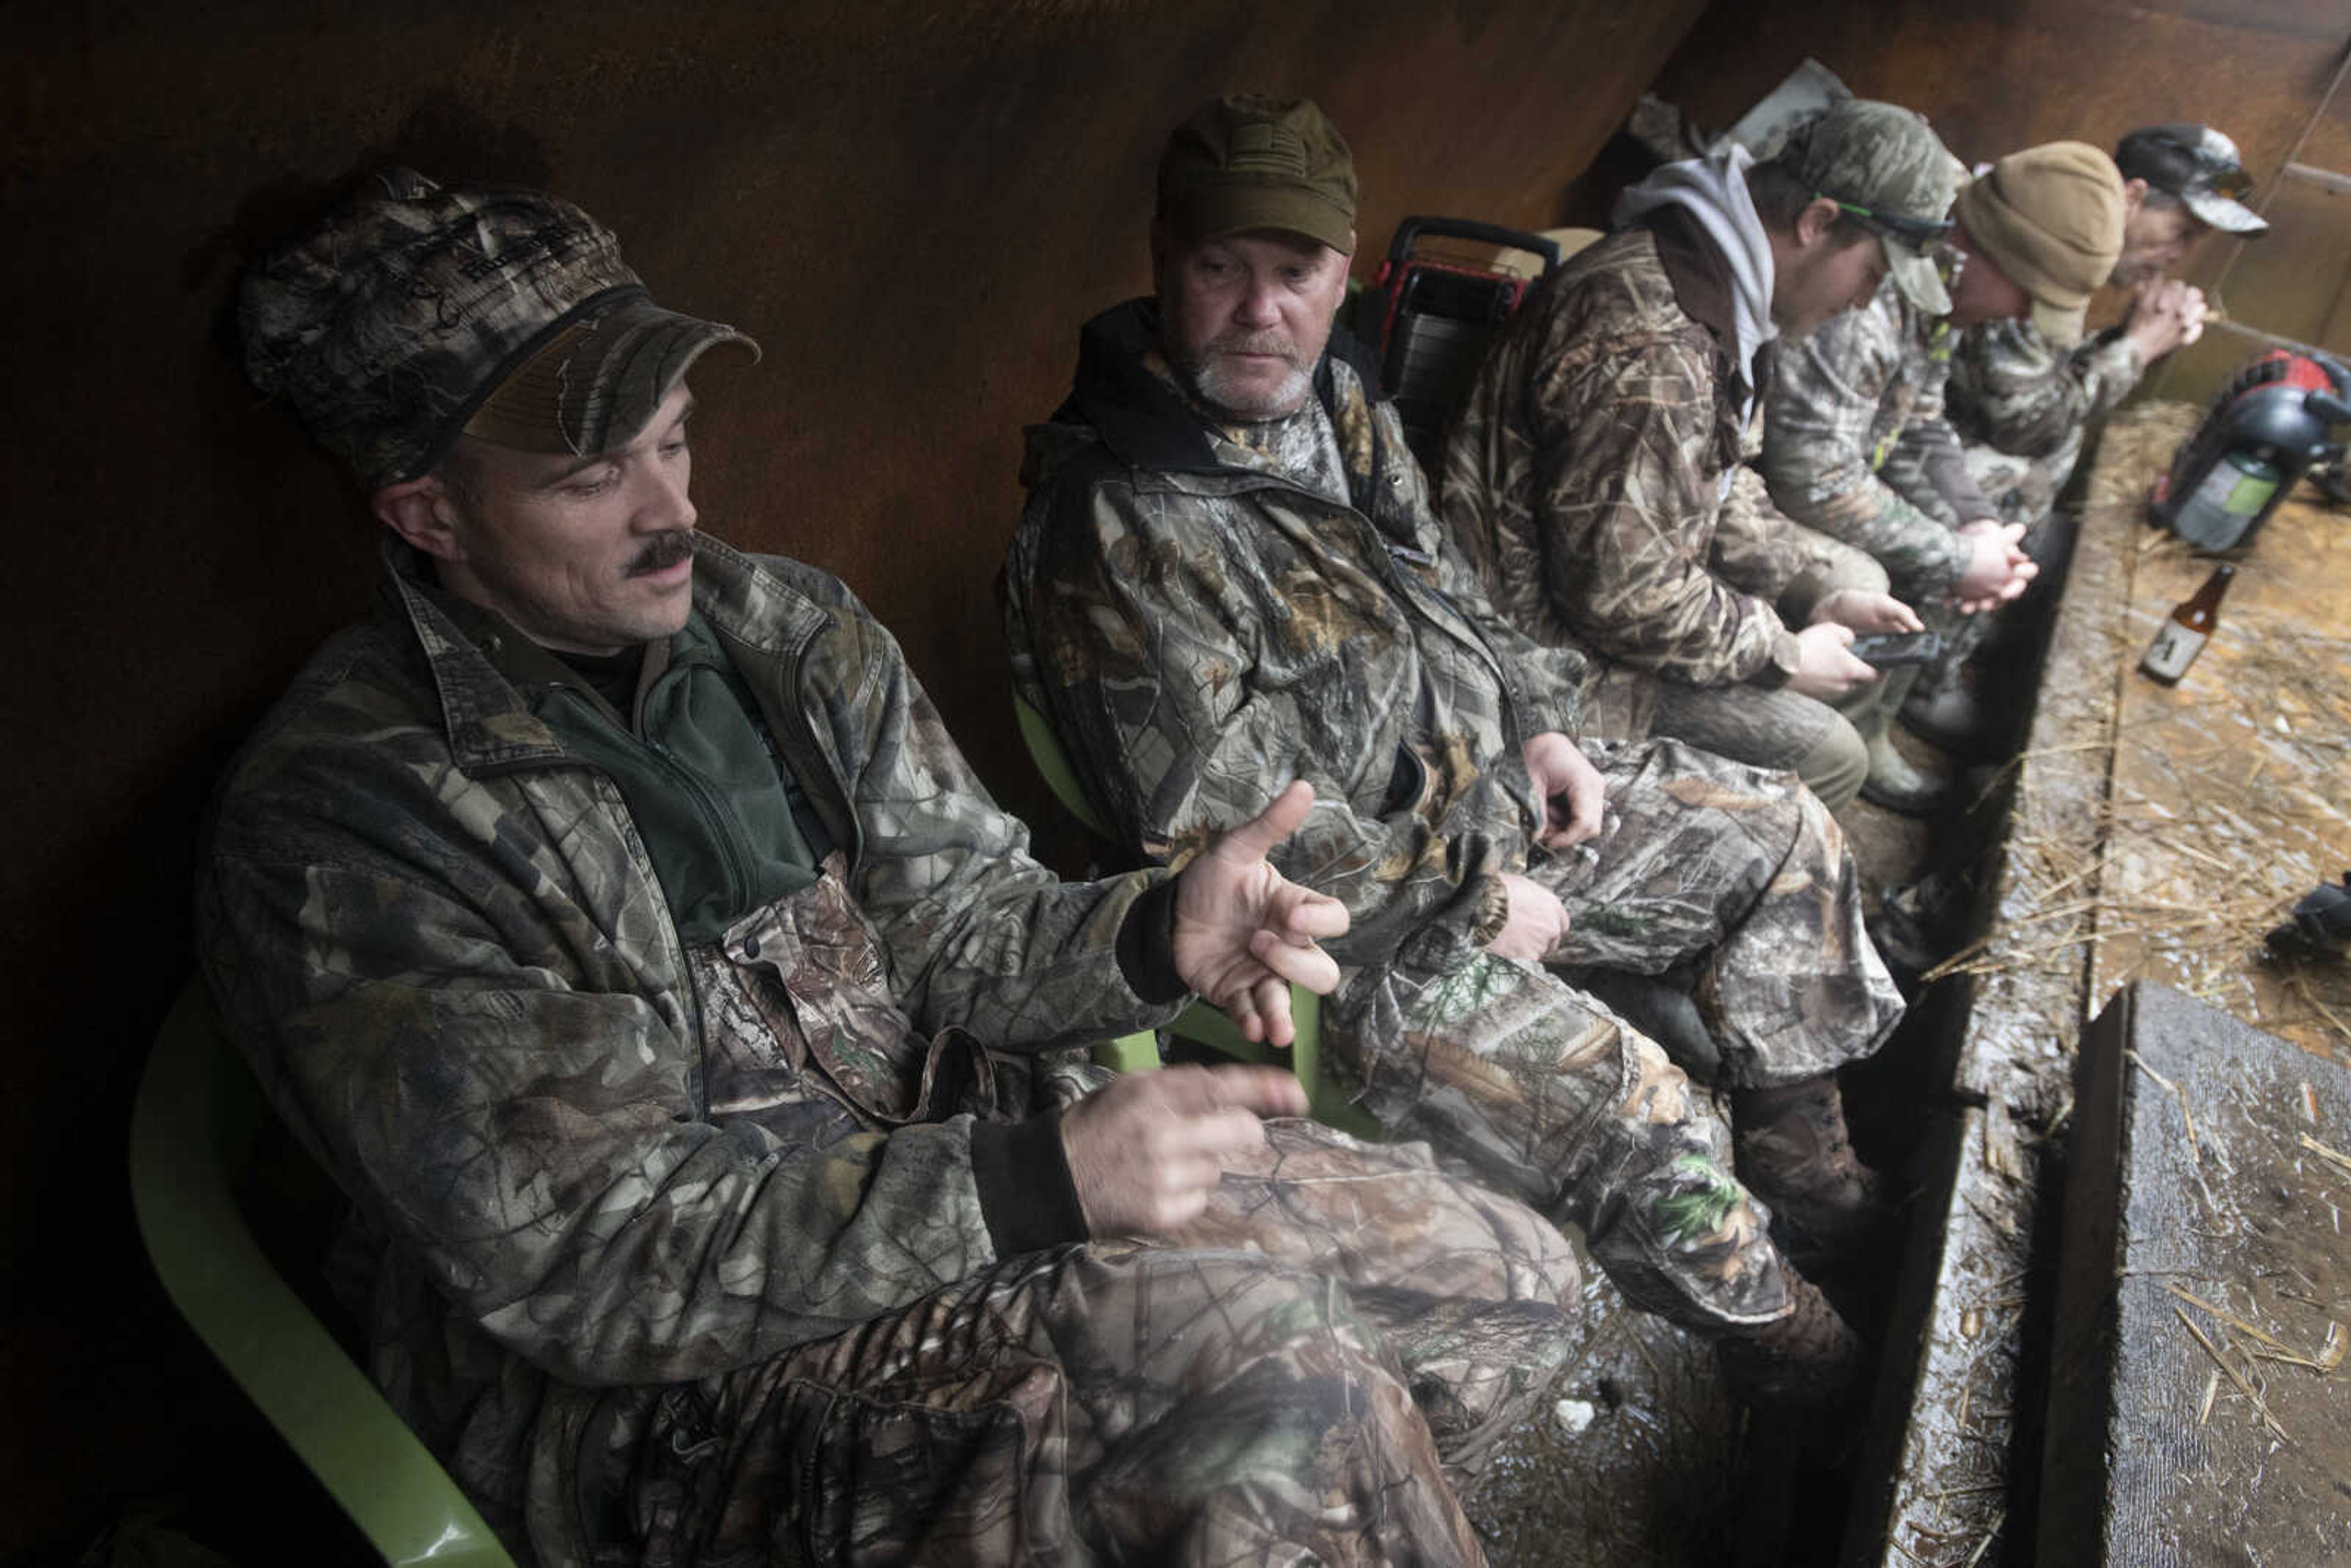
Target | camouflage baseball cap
(413,312)
(1244,162)
(2200,167)
(1885,166)
(2051,217)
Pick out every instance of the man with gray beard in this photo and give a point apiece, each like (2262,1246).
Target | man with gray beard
(1229,576)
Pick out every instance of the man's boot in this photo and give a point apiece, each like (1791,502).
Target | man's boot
(1896,785)
(1808,1360)
(1944,710)
(1795,1154)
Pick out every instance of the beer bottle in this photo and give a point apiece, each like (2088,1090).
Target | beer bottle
(2180,638)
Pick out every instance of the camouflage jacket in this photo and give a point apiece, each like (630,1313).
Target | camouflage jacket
(1855,443)
(2013,389)
(1594,477)
(440,938)
(1200,631)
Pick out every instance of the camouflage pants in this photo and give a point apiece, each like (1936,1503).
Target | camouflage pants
(1824,746)
(1547,1096)
(1781,731)
(1302,1374)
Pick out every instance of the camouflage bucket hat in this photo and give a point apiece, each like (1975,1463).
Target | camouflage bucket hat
(2200,167)
(2051,218)
(414,312)
(1245,163)
(1885,166)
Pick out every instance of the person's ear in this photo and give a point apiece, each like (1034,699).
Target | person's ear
(422,512)
(1817,218)
(2134,193)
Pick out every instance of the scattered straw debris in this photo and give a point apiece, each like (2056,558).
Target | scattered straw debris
(2279,1350)
(2243,1384)
(1990,1535)
(2188,1119)
(2334,1158)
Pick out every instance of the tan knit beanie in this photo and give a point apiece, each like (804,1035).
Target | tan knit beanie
(2051,217)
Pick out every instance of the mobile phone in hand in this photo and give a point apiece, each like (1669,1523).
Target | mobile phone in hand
(1888,648)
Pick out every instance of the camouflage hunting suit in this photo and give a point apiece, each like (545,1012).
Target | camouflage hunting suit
(1201,629)
(1594,480)
(1855,443)
(684,1253)
(2015,395)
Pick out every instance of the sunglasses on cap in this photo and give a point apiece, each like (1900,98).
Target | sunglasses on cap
(1919,232)
(2233,183)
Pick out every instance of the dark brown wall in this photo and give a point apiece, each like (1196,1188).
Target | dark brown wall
(911,204)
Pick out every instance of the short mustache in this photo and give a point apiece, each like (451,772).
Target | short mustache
(1254,343)
(661,551)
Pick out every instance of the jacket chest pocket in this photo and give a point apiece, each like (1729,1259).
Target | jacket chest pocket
(808,967)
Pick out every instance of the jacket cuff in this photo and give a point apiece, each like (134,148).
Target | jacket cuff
(1493,910)
(1787,657)
(1146,946)
(1802,596)
(1025,1191)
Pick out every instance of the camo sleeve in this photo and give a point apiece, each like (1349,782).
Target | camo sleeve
(1625,489)
(477,1066)
(1757,547)
(2014,390)
(1821,458)
(1927,466)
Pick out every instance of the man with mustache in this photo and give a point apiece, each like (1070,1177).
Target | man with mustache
(1228,576)
(614,916)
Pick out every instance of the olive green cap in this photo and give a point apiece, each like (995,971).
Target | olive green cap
(2051,217)
(1244,162)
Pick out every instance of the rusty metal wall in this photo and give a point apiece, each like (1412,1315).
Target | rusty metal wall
(912,204)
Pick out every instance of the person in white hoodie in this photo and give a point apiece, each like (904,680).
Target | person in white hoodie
(1595,477)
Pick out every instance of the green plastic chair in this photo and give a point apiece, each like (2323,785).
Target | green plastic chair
(1203,1023)
(198,1114)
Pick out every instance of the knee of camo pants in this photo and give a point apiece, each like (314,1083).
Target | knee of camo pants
(1103,1403)
(1838,761)
(1845,567)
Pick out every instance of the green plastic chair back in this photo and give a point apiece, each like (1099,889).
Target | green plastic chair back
(1202,1023)
(198,1113)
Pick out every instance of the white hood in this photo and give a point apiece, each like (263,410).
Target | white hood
(1713,190)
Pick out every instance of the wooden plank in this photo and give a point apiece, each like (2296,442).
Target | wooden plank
(1938,1483)
(2196,1401)
(1926,1492)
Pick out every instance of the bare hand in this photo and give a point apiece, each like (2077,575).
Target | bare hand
(1863,612)
(1245,933)
(1570,788)
(2165,314)
(1144,1152)
(1998,570)
(1537,921)
(1824,669)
